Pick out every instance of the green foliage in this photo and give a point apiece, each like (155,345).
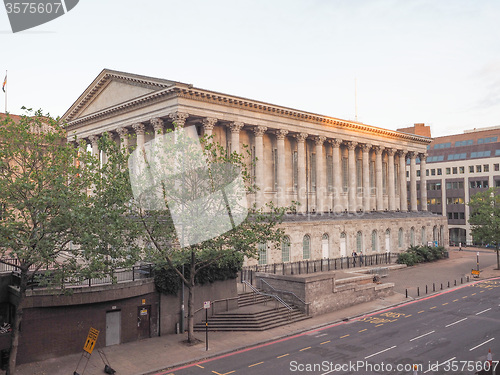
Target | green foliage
(485,217)
(420,254)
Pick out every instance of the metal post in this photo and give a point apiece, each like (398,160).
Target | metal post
(406,293)
(477,255)
(418,291)
(433,287)
(206,328)
(426,289)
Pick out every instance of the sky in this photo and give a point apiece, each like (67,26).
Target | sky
(401,62)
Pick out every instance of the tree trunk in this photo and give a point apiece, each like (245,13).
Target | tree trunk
(191,337)
(498,258)
(18,317)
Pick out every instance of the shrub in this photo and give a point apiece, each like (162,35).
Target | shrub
(420,254)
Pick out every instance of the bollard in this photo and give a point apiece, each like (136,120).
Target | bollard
(455,282)
(418,291)
(448,284)
(433,287)
(406,293)
(441,286)
(467,278)
(426,289)
(461,280)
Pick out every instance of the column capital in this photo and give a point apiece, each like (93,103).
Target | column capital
(401,153)
(301,137)
(366,147)
(319,140)
(423,156)
(259,130)
(157,124)
(122,132)
(390,151)
(335,142)
(93,139)
(378,149)
(178,118)
(351,145)
(412,154)
(281,134)
(139,128)
(236,126)
(209,123)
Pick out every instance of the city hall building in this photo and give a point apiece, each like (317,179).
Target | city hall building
(348,178)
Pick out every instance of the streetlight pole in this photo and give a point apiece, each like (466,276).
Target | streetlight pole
(477,261)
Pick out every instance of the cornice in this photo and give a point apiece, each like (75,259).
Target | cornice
(189,92)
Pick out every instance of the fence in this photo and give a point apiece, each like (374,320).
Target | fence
(320,265)
(418,291)
(39,280)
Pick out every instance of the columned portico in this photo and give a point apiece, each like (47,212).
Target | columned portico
(352,189)
(379,178)
(259,164)
(320,175)
(139,129)
(366,177)
(301,172)
(123,133)
(413,181)
(158,126)
(208,125)
(95,146)
(280,142)
(235,135)
(423,182)
(337,174)
(403,195)
(391,183)
(178,118)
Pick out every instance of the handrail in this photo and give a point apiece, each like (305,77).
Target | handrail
(306,305)
(277,298)
(214,301)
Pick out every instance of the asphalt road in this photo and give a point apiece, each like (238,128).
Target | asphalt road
(446,333)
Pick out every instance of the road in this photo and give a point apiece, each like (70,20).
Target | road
(446,333)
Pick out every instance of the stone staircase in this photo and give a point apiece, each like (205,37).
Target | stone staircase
(254,313)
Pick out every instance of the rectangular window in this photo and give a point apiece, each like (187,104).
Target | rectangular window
(345,175)
(450,215)
(295,165)
(455,171)
(471,169)
(486,167)
(329,172)
(461,185)
(439,171)
(448,185)
(461,170)
(418,172)
(472,184)
(478,168)
(433,172)
(496,167)
(313,172)
(262,253)
(485,184)
(426,172)
(448,170)
(497,183)
(497,152)
(455,215)
(461,215)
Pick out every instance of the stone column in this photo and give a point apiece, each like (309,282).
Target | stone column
(158,126)
(82,149)
(178,118)
(391,193)
(320,175)
(337,174)
(403,197)
(259,164)
(139,129)
(208,126)
(235,136)
(413,181)
(280,141)
(378,178)
(352,190)
(423,182)
(95,147)
(301,164)
(123,133)
(366,177)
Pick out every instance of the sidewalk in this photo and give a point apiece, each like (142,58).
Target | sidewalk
(152,355)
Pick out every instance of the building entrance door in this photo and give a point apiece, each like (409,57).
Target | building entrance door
(113,327)
(143,316)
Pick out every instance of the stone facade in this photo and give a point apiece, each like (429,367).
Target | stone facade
(326,164)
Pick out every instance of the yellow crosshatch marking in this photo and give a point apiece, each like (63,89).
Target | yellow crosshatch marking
(91,340)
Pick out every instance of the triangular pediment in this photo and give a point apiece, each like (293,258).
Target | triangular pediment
(112,88)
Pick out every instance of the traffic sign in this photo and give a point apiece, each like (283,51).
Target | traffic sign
(206,304)
(91,340)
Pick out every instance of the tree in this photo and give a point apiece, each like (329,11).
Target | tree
(63,212)
(485,218)
(191,200)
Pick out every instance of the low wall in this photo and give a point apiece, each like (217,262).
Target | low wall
(326,291)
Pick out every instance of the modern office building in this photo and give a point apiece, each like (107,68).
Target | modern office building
(459,166)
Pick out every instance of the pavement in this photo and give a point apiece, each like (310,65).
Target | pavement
(153,355)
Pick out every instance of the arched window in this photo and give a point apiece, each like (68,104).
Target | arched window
(412,236)
(388,241)
(325,246)
(306,247)
(424,237)
(374,240)
(285,249)
(262,253)
(343,244)
(435,233)
(359,242)
(400,237)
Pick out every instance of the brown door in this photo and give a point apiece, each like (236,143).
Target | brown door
(143,314)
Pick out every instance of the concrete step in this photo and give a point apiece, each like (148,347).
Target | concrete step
(250,298)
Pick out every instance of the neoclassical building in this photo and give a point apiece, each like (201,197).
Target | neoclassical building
(349,178)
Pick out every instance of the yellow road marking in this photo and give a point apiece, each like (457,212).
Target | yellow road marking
(444,304)
(363,330)
(473,294)
(407,316)
(344,336)
(325,342)
(420,312)
(284,355)
(378,325)
(227,373)
(455,300)
(200,366)
(216,373)
(464,297)
(301,350)
(255,364)
(433,307)
(482,291)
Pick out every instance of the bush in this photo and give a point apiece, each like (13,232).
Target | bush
(421,254)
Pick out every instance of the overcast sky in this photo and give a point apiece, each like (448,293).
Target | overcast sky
(436,62)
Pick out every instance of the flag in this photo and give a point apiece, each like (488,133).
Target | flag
(4,83)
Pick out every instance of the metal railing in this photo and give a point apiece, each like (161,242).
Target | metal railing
(212,306)
(295,298)
(319,265)
(278,299)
